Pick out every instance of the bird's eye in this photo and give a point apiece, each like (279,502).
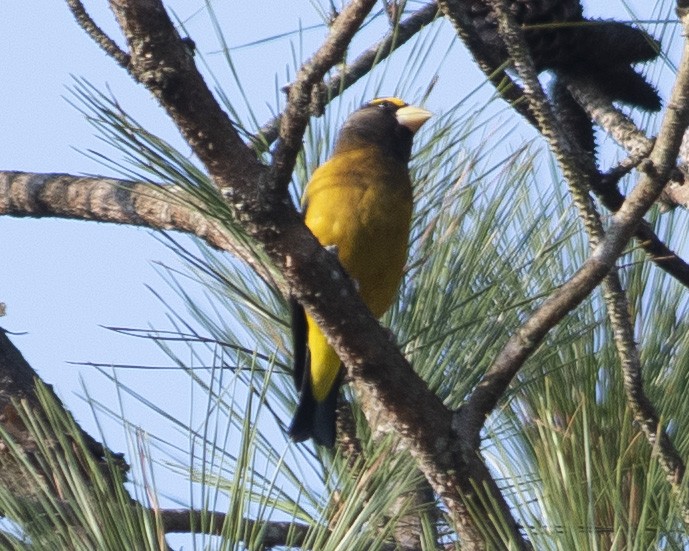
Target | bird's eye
(386,105)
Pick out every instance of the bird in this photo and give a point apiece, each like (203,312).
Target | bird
(359,205)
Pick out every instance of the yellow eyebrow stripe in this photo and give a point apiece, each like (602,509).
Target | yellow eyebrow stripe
(397,102)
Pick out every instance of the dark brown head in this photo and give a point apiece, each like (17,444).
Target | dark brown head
(386,123)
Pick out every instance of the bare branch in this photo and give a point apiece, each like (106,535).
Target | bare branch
(161,61)
(196,521)
(611,119)
(18,386)
(361,65)
(527,338)
(643,410)
(663,157)
(97,34)
(296,115)
(568,156)
(157,207)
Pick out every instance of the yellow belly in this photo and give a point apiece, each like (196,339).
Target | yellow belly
(361,203)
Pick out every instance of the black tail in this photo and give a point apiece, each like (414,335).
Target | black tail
(312,419)
(315,419)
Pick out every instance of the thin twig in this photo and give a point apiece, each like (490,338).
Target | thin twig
(577,175)
(360,66)
(457,12)
(97,34)
(296,115)
(641,406)
(195,521)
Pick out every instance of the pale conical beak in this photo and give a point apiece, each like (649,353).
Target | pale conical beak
(412,117)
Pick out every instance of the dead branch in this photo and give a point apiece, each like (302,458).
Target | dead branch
(160,207)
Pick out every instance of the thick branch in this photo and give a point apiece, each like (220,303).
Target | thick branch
(162,62)
(157,207)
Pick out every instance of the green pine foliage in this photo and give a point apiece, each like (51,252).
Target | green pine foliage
(494,233)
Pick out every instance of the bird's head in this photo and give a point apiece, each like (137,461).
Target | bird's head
(387,123)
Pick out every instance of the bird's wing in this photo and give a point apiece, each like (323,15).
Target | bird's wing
(298,322)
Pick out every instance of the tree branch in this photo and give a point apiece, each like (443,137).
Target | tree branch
(97,34)
(457,11)
(612,120)
(18,386)
(615,297)
(361,66)
(527,338)
(197,521)
(629,136)
(600,109)
(296,115)
(24,194)
(640,405)
(160,62)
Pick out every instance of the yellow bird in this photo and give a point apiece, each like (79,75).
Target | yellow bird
(359,203)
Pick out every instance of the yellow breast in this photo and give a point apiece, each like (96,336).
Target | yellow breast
(361,202)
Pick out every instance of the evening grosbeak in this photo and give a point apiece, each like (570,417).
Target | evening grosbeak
(358,203)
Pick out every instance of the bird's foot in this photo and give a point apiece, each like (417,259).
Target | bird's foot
(332,249)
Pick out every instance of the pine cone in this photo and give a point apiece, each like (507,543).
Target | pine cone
(562,40)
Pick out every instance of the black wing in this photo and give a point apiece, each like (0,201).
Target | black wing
(299,329)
